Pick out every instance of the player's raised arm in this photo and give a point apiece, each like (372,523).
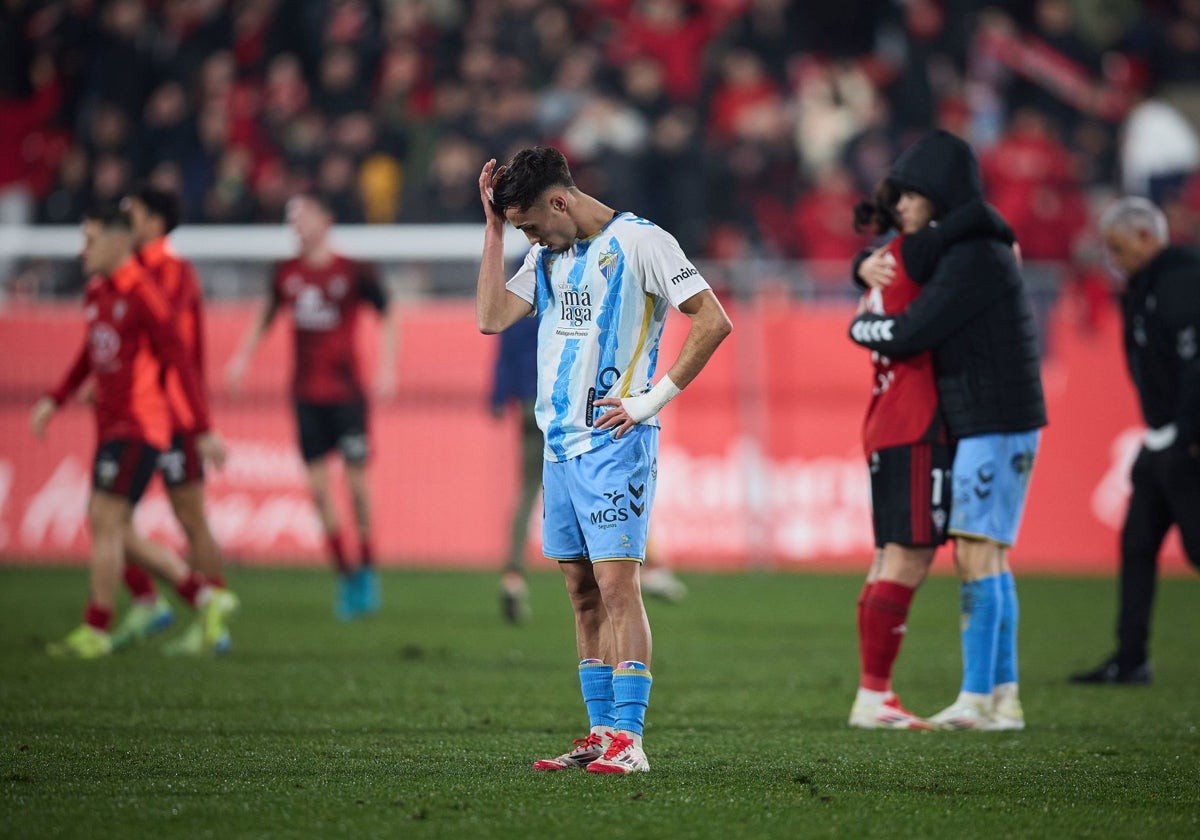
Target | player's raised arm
(710,325)
(496,308)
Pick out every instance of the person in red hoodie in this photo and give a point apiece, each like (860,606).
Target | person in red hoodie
(154,213)
(130,340)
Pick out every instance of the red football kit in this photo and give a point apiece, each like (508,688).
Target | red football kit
(179,284)
(904,400)
(130,339)
(324,301)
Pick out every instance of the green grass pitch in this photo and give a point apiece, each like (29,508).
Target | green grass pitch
(423,721)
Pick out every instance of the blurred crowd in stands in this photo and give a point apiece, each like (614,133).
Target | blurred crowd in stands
(745,127)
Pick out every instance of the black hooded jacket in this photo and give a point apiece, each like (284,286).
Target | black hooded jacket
(1161,305)
(973,313)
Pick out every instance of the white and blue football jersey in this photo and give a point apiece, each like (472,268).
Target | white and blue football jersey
(602,305)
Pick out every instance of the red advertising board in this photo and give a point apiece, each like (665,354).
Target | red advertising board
(760,464)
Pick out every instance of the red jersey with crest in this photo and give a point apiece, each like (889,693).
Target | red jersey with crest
(324,301)
(130,339)
(904,400)
(176,278)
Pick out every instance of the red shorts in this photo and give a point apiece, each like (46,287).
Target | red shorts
(910,494)
(124,468)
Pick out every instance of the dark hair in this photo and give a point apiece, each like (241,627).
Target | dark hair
(109,216)
(161,203)
(529,174)
(878,214)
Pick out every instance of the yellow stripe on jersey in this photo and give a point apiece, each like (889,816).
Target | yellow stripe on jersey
(647,314)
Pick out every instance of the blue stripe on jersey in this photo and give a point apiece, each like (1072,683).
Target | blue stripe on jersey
(542,287)
(560,396)
(609,338)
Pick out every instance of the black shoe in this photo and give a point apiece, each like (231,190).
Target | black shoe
(514,599)
(1112,672)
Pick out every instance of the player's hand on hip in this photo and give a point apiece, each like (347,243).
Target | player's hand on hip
(878,270)
(42,411)
(618,418)
(212,449)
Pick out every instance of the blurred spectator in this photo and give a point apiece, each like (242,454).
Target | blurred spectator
(769,29)
(822,230)
(674,196)
(835,101)
(228,200)
(68,198)
(122,65)
(337,184)
(341,88)
(1159,150)
(1056,32)
(1030,177)
(666,31)
(744,95)
(111,178)
(451,193)
(166,130)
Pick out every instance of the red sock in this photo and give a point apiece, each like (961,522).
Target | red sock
(97,616)
(334,542)
(884,612)
(141,585)
(189,588)
(862,602)
(366,555)
(218,581)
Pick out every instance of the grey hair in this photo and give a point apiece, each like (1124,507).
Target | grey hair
(1134,213)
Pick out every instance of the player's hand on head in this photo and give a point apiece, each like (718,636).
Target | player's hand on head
(487,180)
(40,416)
(212,449)
(878,270)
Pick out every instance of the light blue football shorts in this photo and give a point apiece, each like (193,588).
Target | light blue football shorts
(597,505)
(991,480)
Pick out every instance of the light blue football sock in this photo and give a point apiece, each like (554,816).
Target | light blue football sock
(980,632)
(1006,649)
(631,695)
(596,680)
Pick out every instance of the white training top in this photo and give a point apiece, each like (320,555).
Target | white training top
(602,305)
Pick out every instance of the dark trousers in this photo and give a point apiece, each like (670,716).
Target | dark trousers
(1166,492)
(532,461)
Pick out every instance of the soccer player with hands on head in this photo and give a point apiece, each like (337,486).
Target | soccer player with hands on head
(600,283)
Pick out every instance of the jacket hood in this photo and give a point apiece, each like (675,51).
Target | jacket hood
(940,166)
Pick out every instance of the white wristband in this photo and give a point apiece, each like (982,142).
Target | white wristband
(644,406)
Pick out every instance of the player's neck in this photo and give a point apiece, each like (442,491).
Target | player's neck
(591,216)
(318,256)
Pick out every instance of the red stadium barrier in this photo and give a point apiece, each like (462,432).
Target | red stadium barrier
(760,462)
